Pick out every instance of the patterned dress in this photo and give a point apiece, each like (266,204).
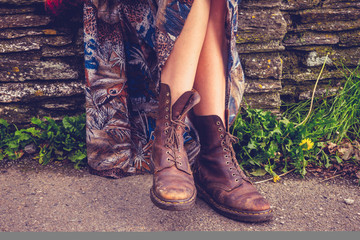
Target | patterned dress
(127,42)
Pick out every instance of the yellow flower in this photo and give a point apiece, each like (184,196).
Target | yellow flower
(308,143)
(276,178)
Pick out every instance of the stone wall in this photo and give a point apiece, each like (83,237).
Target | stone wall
(282,45)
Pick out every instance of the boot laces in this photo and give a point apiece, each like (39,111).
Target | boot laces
(174,140)
(227,143)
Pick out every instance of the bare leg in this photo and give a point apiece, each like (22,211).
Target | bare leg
(210,75)
(180,68)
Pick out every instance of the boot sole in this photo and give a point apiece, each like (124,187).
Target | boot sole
(173,205)
(244,216)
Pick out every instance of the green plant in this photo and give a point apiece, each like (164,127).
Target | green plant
(12,143)
(63,140)
(267,143)
(339,112)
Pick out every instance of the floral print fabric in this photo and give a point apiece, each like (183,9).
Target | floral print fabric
(127,42)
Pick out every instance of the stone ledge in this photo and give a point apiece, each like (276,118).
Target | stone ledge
(262,86)
(19,71)
(271,46)
(310,38)
(328,15)
(260,4)
(21,2)
(263,100)
(299,4)
(9,92)
(23,20)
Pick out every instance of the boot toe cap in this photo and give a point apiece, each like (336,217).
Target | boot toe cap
(253,203)
(175,193)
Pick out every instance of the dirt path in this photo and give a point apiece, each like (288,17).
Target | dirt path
(59,198)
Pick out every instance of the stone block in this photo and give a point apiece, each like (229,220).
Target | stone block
(264,101)
(321,91)
(328,15)
(17,113)
(19,71)
(260,26)
(32,43)
(19,33)
(349,39)
(21,2)
(299,4)
(262,85)
(64,104)
(271,46)
(26,92)
(291,60)
(338,57)
(288,90)
(331,26)
(310,38)
(20,45)
(67,51)
(10,11)
(341,4)
(263,65)
(260,3)
(23,20)
(311,74)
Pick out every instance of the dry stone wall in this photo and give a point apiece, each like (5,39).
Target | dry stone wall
(282,45)
(41,62)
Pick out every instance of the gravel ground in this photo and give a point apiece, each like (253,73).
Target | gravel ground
(58,198)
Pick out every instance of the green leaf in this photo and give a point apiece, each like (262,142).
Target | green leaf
(258,172)
(36,121)
(338,159)
(4,123)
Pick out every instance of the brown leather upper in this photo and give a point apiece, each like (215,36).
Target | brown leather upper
(217,170)
(173,178)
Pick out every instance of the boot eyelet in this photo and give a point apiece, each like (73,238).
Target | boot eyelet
(236,180)
(167,152)
(220,129)
(167,94)
(226,156)
(230,168)
(166,131)
(227,163)
(168,159)
(218,123)
(166,116)
(167,109)
(166,124)
(167,101)
(180,164)
(222,136)
(233,174)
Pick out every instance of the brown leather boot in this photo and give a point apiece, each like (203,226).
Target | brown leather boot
(173,183)
(219,178)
